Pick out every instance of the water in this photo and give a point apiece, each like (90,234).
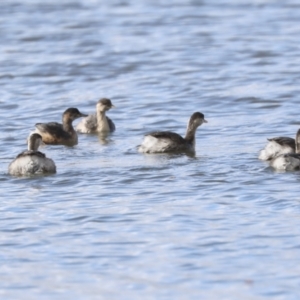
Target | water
(116,224)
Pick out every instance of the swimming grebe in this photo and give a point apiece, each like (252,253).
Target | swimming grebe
(288,161)
(60,134)
(166,141)
(98,122)
(32,161)
(277,146)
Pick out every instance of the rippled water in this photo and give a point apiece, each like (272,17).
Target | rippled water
(116,224)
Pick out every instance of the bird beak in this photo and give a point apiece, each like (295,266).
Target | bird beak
(83,115)
(112,106)
(204,121)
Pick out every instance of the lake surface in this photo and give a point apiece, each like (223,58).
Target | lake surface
(117,224)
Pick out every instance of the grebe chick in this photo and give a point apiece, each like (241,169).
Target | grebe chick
(32,161)
(60,134)
(166,141)
(98,122)
(277,146)
(288,161)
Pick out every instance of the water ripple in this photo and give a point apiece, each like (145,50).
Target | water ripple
(154,226)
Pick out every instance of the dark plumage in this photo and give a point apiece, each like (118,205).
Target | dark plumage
(172,136)
(31,153)
(284,141)
(60,134)
(167,141)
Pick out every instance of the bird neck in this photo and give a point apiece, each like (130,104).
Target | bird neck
(190,135)
(67,124)
(102,123)
(101,114)
(297,148)
(297,142)
(32,145)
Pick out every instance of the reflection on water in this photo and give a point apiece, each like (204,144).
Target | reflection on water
(156,226)
(104,139)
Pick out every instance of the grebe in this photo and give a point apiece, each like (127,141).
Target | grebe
(98,122)
(277,146)
(32,161)
(60,134)
(288,161)
(166,141)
